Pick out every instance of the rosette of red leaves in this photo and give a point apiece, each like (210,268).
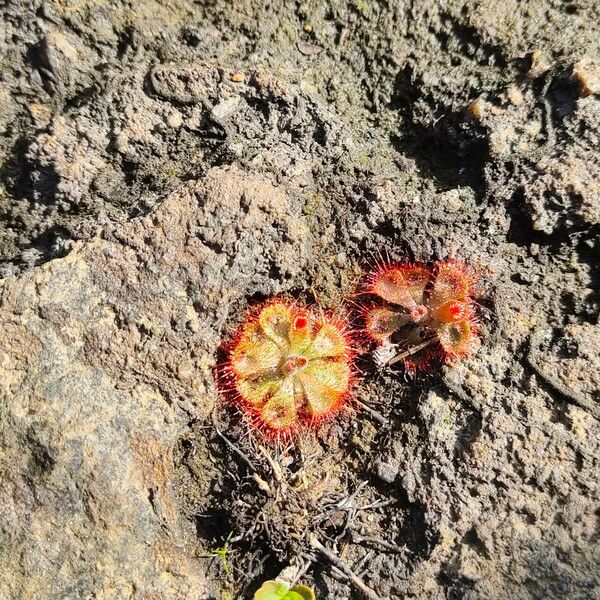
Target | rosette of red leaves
(427,313)
(288,367)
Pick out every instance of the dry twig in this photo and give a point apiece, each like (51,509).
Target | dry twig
(231,444)
(375,414)
(344,568)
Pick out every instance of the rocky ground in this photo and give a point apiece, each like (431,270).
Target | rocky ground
(166,164)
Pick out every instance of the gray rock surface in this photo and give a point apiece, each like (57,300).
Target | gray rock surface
(104,356)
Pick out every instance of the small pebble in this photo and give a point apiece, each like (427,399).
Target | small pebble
(174,120)
(587,73)
(515,95)
(309,49)
(476,109)
(185,370)
(452,200)
(539,64)
(224,109)
(192,325)
(340,259)
(386,471)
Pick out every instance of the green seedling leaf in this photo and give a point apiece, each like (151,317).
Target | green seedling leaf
(272,590)
(302,592)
